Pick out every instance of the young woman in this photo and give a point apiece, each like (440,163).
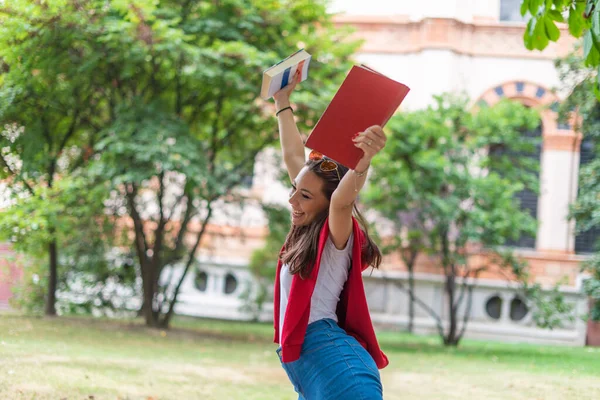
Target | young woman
(327,344)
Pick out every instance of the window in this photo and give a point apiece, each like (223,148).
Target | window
(230,284)
(526,197)
(518,309)
(201,281)
(587,241)
(510,11)
(493,307)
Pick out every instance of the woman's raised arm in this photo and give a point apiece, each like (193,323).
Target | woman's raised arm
(292,146)
(371,142)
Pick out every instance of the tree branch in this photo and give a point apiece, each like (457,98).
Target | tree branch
(237,167)
(423,305)
(463,286)
(159,234)
(70,132)
(231,130)
(189,262)
(140,236)
(177,202)
(469,305)
(46,132)
(188,215)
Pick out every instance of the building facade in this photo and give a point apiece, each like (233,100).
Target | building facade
(468,46)
(476,48)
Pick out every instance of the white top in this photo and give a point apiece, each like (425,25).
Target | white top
(333,274)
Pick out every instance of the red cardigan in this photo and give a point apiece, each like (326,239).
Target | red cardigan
(352,310)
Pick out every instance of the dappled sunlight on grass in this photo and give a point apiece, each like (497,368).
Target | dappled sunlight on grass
(77,357)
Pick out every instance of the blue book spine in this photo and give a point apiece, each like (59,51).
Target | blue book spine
(286,77)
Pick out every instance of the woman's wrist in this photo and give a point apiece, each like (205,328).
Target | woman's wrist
(279,104)
(362,167)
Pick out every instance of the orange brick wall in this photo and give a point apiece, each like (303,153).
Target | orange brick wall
(546,269)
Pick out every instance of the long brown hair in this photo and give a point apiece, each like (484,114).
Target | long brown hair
(302,242)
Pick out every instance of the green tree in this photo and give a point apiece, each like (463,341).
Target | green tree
(48,106)
(168,101)
(450,196)
(579,81)
(95,272)
(581,16)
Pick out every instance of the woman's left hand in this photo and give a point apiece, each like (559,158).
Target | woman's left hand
(371,141)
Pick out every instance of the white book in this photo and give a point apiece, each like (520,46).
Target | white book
(280,74)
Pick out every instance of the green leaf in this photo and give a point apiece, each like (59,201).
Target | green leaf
(528,34)
(540,38)
(595,29)
(593,57)
(560,4)
(589,7)
(86,51)
(551,30)
(576,21)
(524,7)
(588,43)
(556,15)
(534,6)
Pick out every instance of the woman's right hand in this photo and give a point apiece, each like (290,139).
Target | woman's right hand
(282,97)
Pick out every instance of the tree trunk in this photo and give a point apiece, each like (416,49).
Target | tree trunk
(52,279)
(146,265)
(411,301)
(451,341)
(451,338)
(191,257)
(148,287)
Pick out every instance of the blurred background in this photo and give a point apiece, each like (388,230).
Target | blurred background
(140,176)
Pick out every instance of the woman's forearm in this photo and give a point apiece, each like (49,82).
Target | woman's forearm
(371,142)
(292,145)
(350,185)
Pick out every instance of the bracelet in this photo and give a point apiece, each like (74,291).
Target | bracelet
(283,109)
(359,174)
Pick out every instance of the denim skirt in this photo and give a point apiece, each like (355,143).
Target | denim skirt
(333,365)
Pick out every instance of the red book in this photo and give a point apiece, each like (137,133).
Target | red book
(365,98)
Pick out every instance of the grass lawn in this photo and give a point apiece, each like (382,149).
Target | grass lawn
(85,358)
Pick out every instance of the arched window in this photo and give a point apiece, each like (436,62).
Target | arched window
(201,281)
(518,309)
(493,307)
(527,198)
(230,283)
(587,242)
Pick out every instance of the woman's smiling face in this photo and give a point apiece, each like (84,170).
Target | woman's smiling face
(307,198)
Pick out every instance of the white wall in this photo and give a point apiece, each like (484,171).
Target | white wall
(463,10)
(558,187)
(421,72)
(432,72)
(486,72)
(389,305)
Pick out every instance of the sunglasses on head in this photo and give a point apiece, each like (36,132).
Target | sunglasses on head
(327,164)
